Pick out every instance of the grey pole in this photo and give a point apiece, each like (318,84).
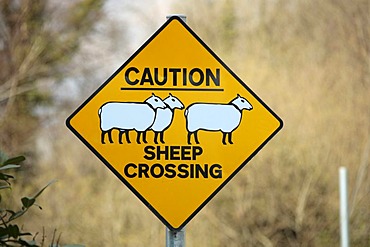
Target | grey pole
(175,238)
(343,198)
(183,17)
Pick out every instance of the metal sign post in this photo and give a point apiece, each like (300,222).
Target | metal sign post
(344,229)
(183,17)
(175,238)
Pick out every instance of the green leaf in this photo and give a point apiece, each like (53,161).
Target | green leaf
(16,215)
(3,157)
(10,211)
(28,201)
(13,231)
(11,166)
(14,160)
(3,232)
(31,243)
(5,177)
(42,190)
(4,187)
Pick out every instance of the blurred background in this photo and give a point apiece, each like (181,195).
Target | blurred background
(307,60)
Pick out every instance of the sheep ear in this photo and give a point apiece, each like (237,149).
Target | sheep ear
(153,94)
(238,95)
(171,94)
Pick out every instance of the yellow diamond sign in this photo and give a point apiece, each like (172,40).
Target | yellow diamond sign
(174,123)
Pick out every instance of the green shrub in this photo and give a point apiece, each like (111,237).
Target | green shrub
(11,234)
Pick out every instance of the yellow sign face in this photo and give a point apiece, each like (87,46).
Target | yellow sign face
(174,124)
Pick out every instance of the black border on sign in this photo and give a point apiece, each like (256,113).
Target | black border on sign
(173,18)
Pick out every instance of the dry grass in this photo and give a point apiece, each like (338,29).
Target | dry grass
(317,82)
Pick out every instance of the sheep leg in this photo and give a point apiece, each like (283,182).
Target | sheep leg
(120,136)
(162,136)
(127,137)
(156,137)
(102,137)
(224,138)
(144,137)
(195,133)
(196,137)
(138,137)
(121,132)
(230,141)
(110,136)
(189,138)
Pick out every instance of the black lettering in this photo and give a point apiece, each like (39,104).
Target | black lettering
(164,152)
(197,150)
(147,77)
(143,170)
(150,154)
(126,170)
(153,168)
(156,77)
(191,170)
(174,75)
(183,172)
(170,171)
(200,79)
(127,76)
(174,153)
(185,152)
(215,79)
(184,75)
(215,171)
(199,169)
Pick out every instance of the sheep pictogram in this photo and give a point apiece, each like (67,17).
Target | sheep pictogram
(164,117)
(215,117)
(126,116)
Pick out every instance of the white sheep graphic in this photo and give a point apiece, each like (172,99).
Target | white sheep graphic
(215,117)
(126,116)
(164,117)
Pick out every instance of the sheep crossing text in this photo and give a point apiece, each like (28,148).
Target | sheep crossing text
(173,154)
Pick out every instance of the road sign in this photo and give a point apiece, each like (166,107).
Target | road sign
(174,123)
